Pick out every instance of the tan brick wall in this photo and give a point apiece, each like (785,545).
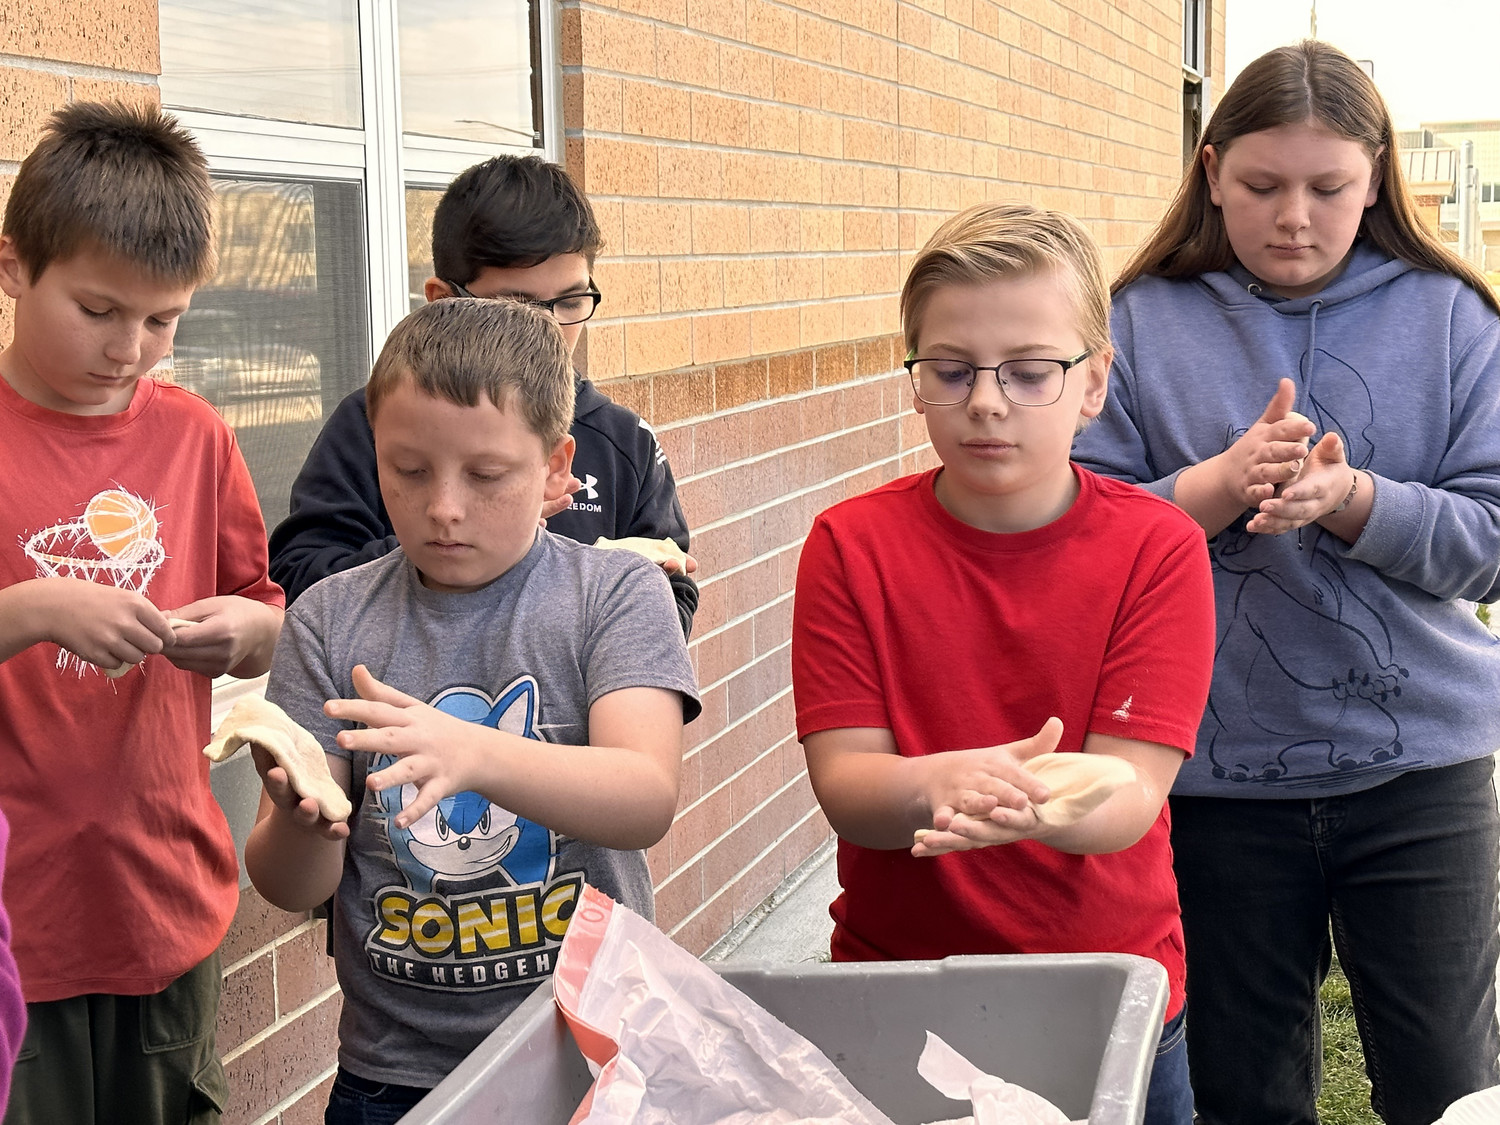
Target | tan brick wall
(764,171)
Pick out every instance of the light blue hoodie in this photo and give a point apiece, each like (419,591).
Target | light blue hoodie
(1338,666)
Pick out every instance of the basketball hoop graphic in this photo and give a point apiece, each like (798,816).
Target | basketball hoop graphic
(114,542)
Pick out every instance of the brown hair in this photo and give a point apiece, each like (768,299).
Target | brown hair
(461,347)
(1307,82)
(127,180)
(998,240)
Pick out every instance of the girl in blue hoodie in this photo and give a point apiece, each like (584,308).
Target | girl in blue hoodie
(1303,368)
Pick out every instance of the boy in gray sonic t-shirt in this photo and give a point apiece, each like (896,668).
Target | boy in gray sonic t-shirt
(503,706)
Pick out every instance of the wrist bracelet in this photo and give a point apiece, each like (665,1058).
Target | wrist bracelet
(1353,488)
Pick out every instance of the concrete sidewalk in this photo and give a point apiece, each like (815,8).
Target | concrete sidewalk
(793,924)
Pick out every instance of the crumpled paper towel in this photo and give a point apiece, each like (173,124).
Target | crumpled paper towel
(995,1101)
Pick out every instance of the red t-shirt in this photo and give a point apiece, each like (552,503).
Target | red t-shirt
(950,637)
(121,874)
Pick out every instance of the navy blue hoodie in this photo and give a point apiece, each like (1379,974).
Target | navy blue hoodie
(1337,665)
(338,519)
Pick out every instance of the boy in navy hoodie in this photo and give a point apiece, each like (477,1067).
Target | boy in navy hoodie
(509,227)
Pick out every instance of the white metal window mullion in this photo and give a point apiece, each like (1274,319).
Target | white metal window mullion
(551,56)
(380,75)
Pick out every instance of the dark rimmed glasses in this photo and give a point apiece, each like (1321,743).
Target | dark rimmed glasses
(1025,382)
(571,308)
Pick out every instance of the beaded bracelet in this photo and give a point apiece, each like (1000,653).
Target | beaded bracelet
(1353,488)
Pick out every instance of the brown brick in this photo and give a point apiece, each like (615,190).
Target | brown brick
(745,72)
(304,970)
(773,127)
(748,281)
(633,285)
(687,57)
(652,110)
(775,230)
(308,1109)
(694,173)
(718,120)
(143,94)
(692,284)
(658,345)
(121,36)
(27,99)
(724,18)
(720,337)
(278,1065)
(736,384)
(792,373)
(247,1005)
(682,394)
(774,330)
(256,924)
(615,42)
(612,167)
(657,228)
(721,228)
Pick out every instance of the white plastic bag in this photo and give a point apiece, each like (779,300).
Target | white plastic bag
(673,1044)
(670,1042)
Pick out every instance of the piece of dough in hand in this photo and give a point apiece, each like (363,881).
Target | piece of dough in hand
(657,550)
(260,722)
(116,673)
(1080,783)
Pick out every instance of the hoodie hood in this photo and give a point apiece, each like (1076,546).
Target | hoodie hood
(587,398)
(1368,269)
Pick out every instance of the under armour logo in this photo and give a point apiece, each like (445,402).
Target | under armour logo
(589,480)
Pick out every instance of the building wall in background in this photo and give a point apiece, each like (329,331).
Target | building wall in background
(764,172)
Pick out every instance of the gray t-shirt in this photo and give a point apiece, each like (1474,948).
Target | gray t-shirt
(442,928)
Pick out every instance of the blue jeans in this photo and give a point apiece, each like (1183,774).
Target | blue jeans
(1169,1098)
(361,1101)
(1405,874)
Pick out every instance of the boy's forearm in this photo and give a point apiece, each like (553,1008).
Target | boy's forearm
(875,800)
(293,869)
(19,628)
(610,796)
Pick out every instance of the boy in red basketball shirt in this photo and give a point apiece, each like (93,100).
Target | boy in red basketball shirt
(132,571)
(951,625)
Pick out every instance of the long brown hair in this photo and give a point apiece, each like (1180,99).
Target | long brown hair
(1309,81)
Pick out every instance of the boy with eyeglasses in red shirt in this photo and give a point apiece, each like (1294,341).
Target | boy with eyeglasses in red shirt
(952,625)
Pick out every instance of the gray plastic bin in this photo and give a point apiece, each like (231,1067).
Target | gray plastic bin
(1078,1028)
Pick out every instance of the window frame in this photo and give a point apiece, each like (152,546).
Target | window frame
(378,156)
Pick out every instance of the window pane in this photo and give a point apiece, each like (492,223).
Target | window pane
(466,70)
(420,205)
(292,60)
(281,335)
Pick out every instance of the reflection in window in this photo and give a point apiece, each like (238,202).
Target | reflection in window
(279,336)
(457,82)
(291,60)
(421,203)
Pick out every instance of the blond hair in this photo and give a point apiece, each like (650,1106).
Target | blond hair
(991,241)
(127,180)
(462,347)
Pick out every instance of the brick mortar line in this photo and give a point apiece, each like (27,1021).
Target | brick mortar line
(279,940)
(77,70)
(748,715)
(281,1022)
(745,408)
(271,1115)
(750,815)
(779,306)
(740,620)
(751,663)
(725,521)
(1063,36)
(571,69)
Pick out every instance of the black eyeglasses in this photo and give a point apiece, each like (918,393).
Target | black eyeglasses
(1025,382)
(571,308)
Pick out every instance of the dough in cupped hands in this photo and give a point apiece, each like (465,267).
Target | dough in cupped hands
(657,550)
(1079,782)
(116,673)
(260,722)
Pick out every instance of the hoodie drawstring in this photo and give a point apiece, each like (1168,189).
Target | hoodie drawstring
(1307,380)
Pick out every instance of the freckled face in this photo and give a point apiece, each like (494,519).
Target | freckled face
(463,485)
(1292,198)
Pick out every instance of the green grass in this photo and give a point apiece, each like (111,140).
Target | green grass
(1346,1091)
